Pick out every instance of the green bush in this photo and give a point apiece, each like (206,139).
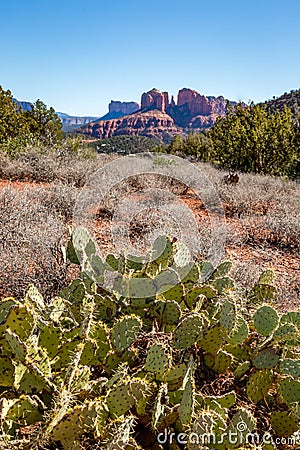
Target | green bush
(110,368)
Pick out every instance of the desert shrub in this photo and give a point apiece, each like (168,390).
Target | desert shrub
(32,230)
(64,164)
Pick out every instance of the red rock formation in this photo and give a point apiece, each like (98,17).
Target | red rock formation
(186,95)
(155,99)
(123,107)
(195,103)
(150,123)
(159,117)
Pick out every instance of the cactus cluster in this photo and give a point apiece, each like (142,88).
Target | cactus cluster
(193,356)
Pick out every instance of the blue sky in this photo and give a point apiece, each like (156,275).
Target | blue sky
(76,56)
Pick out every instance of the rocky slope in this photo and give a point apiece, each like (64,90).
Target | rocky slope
(152,123)
(192,111)
(291,100)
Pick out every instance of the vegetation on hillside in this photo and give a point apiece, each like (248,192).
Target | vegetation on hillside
(125,144)
(248,139)
(290,100)
(20,128)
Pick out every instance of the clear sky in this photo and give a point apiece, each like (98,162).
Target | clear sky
(78,55)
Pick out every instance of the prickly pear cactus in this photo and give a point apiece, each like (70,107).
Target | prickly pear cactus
(183,352)
(125,332)
(158,359)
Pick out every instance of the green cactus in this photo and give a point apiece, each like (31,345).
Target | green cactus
(189,330)
(175,293)
(159,406)
(239,332)
(7,371)
(261,293)
(290,390)
(267,277)
(100,337)
(192,297)
(141,288)
(38,358)
(125,332)
(212,340)
(223,284)
(266,359)
(241,369)
(21,411)
(49,339)
(158,359)
(228,315)
(290,367)
(187,403)
(165,280)
(168,312)
(222,362)
(284,423)
(18,347)
(123,397)
(243,422)
(207,430)
(17,318)
(26,381)
(76,421)
(265,320)
(190,275)
(222,270)
(162,250)
(286,333)
(258,385)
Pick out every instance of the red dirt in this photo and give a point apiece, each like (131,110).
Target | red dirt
(252,256)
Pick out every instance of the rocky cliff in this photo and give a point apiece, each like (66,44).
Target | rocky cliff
(118,109)
(192,111)
(149,123)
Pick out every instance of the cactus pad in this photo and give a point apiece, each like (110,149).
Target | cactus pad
(265,320)
(222,362)
(123,397)
(228,315)
(7,371)
(258,385)
(189,330)
(125,332)
(284,423)
(158,359)
(290,390)
(240,331)
(266,359)
(212,339)
(186,407)
(290,367)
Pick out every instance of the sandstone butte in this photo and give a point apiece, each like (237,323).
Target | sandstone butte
(158,116)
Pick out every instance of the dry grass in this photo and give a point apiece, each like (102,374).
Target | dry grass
(263,223)
(32,229)
(35,165)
